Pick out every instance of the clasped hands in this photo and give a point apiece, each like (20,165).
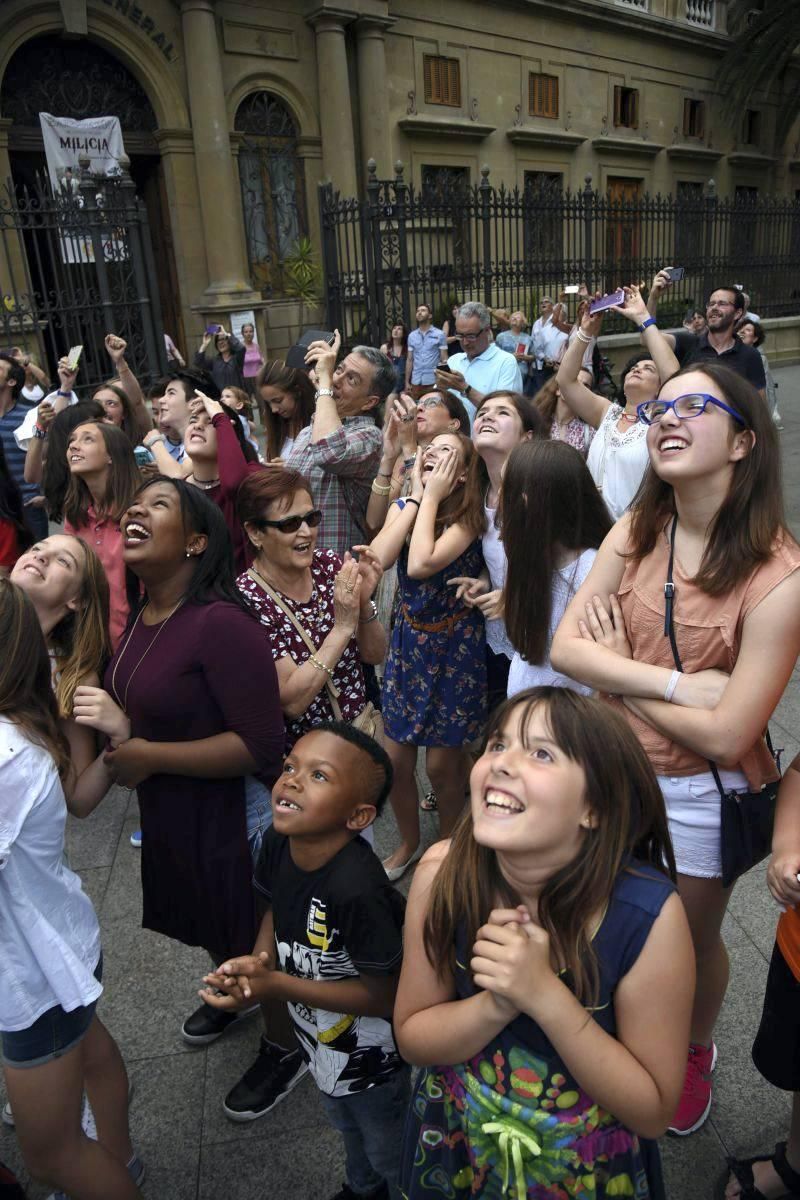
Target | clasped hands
(511,962)
(241,982)
(127,760)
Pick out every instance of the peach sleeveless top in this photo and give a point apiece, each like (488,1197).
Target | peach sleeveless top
(708,631)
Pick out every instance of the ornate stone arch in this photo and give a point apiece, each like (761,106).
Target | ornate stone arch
(137,55)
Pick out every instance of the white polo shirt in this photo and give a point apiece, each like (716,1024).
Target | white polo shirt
(492,371)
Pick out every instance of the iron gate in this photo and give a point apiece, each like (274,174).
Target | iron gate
(76,263)
(509,247)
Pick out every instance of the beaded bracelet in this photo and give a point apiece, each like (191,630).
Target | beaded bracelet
(582,337)
(380,489)
(320,665)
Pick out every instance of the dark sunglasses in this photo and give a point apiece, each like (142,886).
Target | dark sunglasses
(292,524)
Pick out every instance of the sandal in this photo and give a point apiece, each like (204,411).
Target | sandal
(429,803)
(742,1170)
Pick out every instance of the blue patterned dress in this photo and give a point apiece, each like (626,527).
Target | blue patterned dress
(512,1124)
(434,687)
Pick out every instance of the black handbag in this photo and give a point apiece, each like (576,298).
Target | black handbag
(746,818)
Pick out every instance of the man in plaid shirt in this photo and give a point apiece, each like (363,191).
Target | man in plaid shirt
(339,452)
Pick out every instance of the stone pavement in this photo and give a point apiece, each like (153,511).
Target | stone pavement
(193,1152)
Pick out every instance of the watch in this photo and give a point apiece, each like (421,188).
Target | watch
(645,324)
(324,392)
(373,616)
(467,390)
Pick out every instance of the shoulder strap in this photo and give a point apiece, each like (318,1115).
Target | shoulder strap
(333,691)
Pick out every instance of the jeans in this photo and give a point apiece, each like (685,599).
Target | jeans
(259,813)
(372,1124)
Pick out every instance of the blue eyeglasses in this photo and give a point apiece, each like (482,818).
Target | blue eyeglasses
(684,407)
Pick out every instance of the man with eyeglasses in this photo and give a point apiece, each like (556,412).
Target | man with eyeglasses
(718,342)
(340,450)
(481,367)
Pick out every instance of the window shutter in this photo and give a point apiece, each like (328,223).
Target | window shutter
(442,77)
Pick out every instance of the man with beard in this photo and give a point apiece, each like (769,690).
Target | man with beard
(719,343)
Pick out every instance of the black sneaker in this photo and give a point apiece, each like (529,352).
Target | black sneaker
(347,1193)
(206,1024)
(263,1085)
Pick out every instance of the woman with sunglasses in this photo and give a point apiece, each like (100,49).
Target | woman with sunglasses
(710,517)
(307,598)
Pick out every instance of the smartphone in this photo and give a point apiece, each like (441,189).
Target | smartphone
(74,357)
(143,456)
(572,289)
(675,274)
(213,328)
(617,297)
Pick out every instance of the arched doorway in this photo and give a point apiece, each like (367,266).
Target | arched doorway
(80,79)
(273,191)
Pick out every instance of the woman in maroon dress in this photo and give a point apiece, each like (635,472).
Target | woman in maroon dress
(197,711)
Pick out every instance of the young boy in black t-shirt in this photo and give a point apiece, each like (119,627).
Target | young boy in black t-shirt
(331,946)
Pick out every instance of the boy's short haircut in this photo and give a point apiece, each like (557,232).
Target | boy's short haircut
(383,775)
(195,380)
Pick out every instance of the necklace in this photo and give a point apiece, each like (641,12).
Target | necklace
(275,588)
(205,485)
(630,418)
(124,701)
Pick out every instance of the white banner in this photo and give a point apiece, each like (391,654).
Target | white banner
(65,142)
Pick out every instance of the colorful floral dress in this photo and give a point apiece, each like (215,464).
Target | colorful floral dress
(512,1123)
(434,688)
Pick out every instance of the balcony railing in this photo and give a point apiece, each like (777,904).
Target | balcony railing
(700,12)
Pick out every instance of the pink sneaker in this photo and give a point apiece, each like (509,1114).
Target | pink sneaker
(695,1102)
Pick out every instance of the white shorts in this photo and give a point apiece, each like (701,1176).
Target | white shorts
(693,811)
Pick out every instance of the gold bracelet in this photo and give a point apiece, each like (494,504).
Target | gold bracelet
(380,489)
(320,665)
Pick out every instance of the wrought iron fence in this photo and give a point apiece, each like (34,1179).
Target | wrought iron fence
(76,263)
(509,247)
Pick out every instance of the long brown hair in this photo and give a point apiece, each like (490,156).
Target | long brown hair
(122,479)
(751,518)
(548,503)
(532,423)
(277,429)
(80,640)
(26,691)
(546,401)
(631,824)
(460,507)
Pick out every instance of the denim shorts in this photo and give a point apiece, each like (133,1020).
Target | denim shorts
(258,802)
(52,1035)
(693,812)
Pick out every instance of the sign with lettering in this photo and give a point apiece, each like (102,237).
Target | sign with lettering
(137,16)
(66,141)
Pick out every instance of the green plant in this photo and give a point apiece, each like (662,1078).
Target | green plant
(302,273)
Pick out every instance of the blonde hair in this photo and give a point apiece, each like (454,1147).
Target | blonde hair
(80,641)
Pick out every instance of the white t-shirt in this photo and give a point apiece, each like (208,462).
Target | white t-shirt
(566,581)
(33,394)
(23,434)
(494,556)
(49,933)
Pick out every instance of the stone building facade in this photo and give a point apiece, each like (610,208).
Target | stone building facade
(234,111)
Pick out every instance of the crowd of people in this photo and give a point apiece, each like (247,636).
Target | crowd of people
(257,593)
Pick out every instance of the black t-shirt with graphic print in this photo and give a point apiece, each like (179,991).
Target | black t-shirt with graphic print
(338,922)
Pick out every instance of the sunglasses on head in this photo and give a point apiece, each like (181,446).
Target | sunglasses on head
(292,524)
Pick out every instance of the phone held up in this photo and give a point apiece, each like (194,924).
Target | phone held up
(73,357)
(675,274)
(143,455)
(212,329)
(610,301)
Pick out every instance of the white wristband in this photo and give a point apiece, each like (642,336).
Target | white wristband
(670,688)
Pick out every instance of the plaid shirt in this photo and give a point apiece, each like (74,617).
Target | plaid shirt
(341,469)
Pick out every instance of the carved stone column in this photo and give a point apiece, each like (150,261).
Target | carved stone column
(217,190)
(372,92)
(336,112)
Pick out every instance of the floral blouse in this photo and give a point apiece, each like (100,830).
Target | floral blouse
(316,617)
